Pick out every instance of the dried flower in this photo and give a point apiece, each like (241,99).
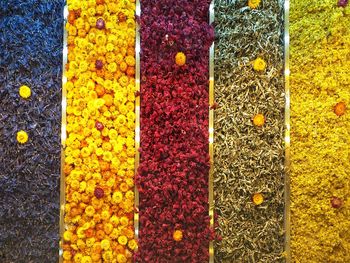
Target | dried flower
(180,59)
(253,3)
(340,108)
(259,120)
(99,193)
(24,92)
(22,137)
(342,3)
(258,198)
(177,235)
(99,126)
(100,23)
(259,64)
(336,202)
(99,64)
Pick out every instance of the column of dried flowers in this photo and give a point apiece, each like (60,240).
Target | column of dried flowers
(320,125)
(99,153)
(249,129)
(174,167)
(30,87)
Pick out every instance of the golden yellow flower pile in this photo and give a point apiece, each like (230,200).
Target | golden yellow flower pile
(320,136)
(99,153)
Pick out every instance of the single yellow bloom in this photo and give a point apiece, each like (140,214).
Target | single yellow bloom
(259,64)
(123,240)
(25,92)
(177,235)
(259,120)
(86,259)
(22,137)
(67,236)
(254,3)
(105,244)
(121,258)
(132,244)
(180,59)
(258,198)
(67,255)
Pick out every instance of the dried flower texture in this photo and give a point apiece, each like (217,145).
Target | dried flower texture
(249,129)
(100,151)
(173,173)
(320,125)
(30,54)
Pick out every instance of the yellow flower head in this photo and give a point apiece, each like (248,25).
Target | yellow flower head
(177,235)
(123,240)
(254,3)
(90,210)
(105,244)
(124,221)
(121,258)
(86,259)
(132,244)
(258,198)
(180,59)
(259,120)
(67,236)
(339,108)
(259,64)
(22,137)
(117,197)
(25,92)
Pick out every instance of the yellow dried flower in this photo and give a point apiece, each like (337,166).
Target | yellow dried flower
(180,59)
(22,137)
(259,64)
(258,198)
(253,3)
(25,92)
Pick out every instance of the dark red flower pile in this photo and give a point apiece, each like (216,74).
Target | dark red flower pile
(174,168)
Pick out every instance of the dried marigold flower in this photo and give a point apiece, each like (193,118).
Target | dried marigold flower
(22,137)
(336,202)
(254,3)
(339,108)
(259,64)
(177,235)
(180,59)
(258,198)
(25,92)
(259,120)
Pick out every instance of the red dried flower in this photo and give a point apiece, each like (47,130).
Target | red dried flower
(99,126)
(100,23)
(336,202)
(99,193)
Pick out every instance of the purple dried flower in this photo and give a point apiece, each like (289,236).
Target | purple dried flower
(342,3)
(99,64)
(100,24)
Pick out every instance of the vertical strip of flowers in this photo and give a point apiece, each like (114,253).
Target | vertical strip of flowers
(174,167)
(249,131)
(320,125)
(100,148)
(30,97)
